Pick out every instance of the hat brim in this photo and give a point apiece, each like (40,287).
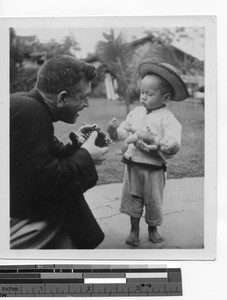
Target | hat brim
(166,72)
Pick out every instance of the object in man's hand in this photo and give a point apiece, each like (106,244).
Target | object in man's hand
(101,141)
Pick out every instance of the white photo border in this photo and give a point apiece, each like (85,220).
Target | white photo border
(210,197)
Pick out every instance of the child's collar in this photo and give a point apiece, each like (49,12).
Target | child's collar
(150,110)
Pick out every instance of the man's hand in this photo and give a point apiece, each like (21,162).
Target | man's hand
(96,153)
(84,131)
(112,129)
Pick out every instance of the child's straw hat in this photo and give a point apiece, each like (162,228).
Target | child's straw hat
(169,73)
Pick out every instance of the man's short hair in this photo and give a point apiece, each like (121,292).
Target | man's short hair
(63,73)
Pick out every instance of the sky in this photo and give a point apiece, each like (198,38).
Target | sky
(87,38)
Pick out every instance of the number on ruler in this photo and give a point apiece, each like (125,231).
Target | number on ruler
(137,288)
(89,289)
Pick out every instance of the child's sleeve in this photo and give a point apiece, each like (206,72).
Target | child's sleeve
(171,141)
(123,129)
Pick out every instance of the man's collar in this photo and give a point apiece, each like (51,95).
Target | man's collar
(40,97)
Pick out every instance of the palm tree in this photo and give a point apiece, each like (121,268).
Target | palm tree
(122,60)
(117,54)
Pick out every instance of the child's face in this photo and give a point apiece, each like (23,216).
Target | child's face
(151,95)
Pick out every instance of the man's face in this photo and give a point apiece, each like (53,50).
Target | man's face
(72,104)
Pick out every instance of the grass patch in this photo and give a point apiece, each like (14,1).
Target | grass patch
(188,162)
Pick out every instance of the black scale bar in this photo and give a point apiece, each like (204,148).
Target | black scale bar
(78,268)
(89,281)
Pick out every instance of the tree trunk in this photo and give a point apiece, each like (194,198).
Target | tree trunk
(124,85)
(127,104)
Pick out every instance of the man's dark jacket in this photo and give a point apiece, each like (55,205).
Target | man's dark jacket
(48,179)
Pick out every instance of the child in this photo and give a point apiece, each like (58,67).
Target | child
(145,159)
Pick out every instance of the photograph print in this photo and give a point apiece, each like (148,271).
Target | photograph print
(107,139)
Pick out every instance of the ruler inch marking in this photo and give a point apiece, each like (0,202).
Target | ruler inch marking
(174,294)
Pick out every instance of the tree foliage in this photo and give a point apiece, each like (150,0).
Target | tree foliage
(122,58)
(27,54)
(117,54)
(167,38)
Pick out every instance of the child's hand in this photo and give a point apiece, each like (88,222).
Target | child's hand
(131,129)
(113,123)
(169,147)
(144,147)
(112,129)
(140,145)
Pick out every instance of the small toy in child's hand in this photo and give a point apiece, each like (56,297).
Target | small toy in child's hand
(101,141)
(112,129)
(142,139)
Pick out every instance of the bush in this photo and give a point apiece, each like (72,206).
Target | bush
(25,80)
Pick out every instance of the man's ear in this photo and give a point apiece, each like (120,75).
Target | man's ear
(61,99)
(166,98)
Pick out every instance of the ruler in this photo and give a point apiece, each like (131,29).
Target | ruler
(89,280)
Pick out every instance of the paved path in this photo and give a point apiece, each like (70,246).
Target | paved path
(183,224)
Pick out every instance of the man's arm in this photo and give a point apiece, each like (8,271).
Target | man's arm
(51,176)
(62,151)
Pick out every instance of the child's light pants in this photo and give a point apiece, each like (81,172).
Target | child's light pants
(143,187)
